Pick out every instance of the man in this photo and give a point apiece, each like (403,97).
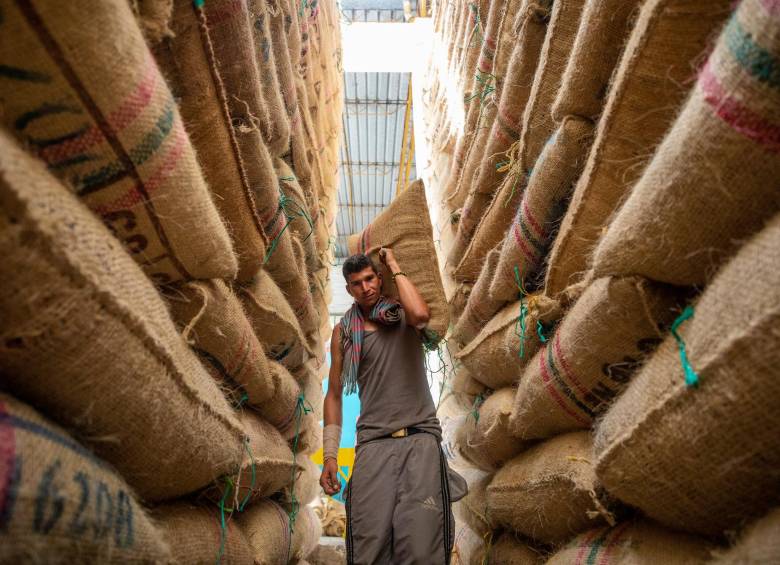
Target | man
(398,499)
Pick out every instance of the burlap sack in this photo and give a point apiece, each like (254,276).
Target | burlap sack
(274,322)
(549,492)
(186,58)
(473,508)
(638,542)
(459,299)
(473,104)
(507,123)
(481,101)
(480,307)
(465,387)
(759,543)
(297,292)
(154,17)
(109,128)
(277,132)
(195,535)
(296,207)
(650,83)
(85,332)
(592,356)
(602,35)
(714,178)
(527,241)
(267,467)
(306,487)
(484,437)
(212,320)
(478,21)
(494,356)
(310,380)
(267,527)
(308,439)
(507,549)
(654,441)
(538,127)
(61,504)
(405,227)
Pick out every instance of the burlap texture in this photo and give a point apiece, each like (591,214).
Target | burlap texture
(507,124)
(653,442)
(154,17)
(267,527)
(713,180)
(549,492)
(592,356)
(473,508)
(638,542)
(186,58)
(302,223)
(537,128)
(310,380)
(531,28)
(405,227)
(307,484)
(602,35)
(274,322)
(459,299)
(480,307)
(309,434)
(759,543)
(527,241)
(510,550)
(195,535)
(473,105)
(108,127)
(214,323)
(650,83)
(465,387)
(484,437)
(85,332)
(267,466)
(493,356)
(61,504)
(277,131)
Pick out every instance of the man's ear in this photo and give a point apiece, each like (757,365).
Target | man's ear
(348,291)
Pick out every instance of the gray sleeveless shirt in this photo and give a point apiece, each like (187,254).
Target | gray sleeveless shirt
(392,385)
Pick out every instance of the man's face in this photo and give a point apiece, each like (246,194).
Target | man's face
(365,287)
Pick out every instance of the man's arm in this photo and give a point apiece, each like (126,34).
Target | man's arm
(329,480)
(414,305)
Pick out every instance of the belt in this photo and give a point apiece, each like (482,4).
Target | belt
(404,432)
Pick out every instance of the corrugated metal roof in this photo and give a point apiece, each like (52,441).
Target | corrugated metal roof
(373,120)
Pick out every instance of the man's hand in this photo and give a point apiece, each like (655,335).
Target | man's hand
(387,257)
(329,480)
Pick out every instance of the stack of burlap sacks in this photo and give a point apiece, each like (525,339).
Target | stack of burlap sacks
(167,190)
(612,230)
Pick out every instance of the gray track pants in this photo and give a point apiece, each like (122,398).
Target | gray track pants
(398,503)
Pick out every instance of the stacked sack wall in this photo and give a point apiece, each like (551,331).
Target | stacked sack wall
(166,205)
(605,346)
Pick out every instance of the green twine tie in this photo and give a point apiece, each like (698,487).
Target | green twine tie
(478,401)
(300,411)
(520,324)
(691,378)
(198,3)
(287,205)
(540,331)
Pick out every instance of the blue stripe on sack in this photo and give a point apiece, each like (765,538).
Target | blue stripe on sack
(756,60)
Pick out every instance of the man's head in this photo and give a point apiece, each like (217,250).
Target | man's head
(364,282)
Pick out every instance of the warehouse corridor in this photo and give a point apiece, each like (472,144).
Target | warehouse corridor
(580,198)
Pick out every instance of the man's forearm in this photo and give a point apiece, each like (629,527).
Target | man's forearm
(414,305)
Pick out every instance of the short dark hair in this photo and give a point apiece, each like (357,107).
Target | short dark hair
(356,263)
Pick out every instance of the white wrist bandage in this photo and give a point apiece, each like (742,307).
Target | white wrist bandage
(331,436)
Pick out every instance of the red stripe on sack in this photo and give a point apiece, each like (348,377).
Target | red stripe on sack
(585,545)
(7,461)
(129,109)
(612,540)
(569,373)
(135,195)
(554,393)
(491,42)
(740,118)
(539,231)
(771,6)
(529,254)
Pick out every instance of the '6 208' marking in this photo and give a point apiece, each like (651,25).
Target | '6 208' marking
(96,513)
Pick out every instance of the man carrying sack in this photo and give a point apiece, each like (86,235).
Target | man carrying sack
(400,494)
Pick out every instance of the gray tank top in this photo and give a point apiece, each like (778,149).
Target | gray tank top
(392,385)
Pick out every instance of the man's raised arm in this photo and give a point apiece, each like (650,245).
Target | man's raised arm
(415,308)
